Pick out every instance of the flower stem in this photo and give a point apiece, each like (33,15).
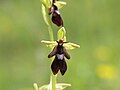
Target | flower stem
(47,20)
(50,33)
(52,77)
(53,81)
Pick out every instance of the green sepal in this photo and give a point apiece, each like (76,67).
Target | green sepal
(60,4)
(70,46)
(61,34)
(49,44)
(65,39)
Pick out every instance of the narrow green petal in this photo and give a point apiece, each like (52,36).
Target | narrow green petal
(60,4)
(70,46)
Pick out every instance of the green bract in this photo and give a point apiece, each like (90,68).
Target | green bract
(46,16)
(47,3)
(61,36)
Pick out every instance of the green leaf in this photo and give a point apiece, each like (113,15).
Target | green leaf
(70,46)
(61,86)
(49,44)
(61,33)
(60,4)
(44,87)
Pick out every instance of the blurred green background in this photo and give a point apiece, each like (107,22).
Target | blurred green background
(94,24)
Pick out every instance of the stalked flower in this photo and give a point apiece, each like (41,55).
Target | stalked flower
(56,18)
(52,7)
(59,61)
(59,48)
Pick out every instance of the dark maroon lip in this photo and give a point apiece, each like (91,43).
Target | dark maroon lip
(56,18)
(59,62)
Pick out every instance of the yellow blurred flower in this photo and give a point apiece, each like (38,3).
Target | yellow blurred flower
(102,53)
(106,71)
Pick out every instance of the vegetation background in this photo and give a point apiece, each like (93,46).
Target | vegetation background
(94,24)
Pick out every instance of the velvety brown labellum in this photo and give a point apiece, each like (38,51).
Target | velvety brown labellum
(59,65)
(56,18)
(59,62)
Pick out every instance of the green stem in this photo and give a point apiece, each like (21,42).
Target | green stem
(53,81)
(47,20)
(50,33)
(52,77)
